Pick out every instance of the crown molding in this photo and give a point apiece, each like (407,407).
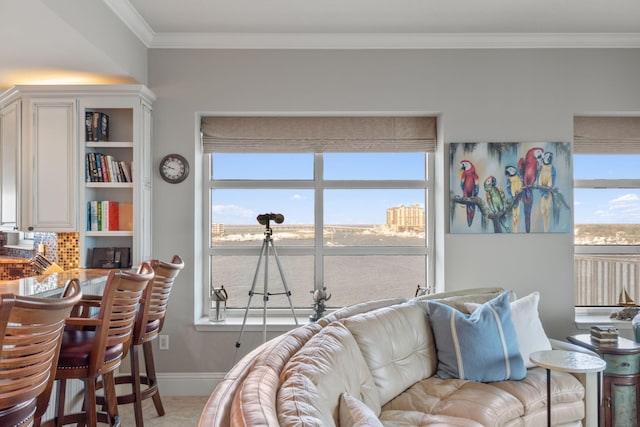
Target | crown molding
(132,19)
(165,40)
(395,41)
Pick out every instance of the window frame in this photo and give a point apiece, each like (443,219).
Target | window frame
(318,250)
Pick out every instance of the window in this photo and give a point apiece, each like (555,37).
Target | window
(607,210)
(356,207)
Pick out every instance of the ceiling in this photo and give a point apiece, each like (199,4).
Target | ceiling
(62,38)
(380,23)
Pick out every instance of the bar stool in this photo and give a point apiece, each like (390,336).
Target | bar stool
(30,335)
(148,325)
(93,345)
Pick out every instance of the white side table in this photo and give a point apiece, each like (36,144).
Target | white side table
(567,361)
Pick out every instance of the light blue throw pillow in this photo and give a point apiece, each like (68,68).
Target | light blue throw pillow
(482,346)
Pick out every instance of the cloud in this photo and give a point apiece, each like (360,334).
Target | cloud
(231,213)
(297,197)
(625,199)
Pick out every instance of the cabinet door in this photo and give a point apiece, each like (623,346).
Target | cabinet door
(53,172)
(10,161)
(621,400)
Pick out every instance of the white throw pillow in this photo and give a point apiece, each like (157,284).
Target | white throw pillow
(354,413)
(529,329)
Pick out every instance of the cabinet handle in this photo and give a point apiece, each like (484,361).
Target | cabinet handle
(30,228)
(625,364)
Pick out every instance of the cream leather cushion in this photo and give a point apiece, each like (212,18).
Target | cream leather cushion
(328,365)
(398,346)
(354,413)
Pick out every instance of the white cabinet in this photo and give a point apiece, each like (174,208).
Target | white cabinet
(50,171)
(44,144)
(39,188)
(10,165)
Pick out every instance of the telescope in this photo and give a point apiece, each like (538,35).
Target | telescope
(265,218)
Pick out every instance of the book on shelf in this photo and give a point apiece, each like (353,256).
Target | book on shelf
(105,168)
(126,216)
(96,126)
(103,215)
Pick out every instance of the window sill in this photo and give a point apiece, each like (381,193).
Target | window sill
(585,317)
(276,322)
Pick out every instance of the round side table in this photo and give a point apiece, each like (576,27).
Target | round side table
(566,361)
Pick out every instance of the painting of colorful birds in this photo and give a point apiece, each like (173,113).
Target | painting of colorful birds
(510,187)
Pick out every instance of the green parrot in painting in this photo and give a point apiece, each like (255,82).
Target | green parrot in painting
(495,200)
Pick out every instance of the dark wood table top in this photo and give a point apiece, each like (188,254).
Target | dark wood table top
(622,346)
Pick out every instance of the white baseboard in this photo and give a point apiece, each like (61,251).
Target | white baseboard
(189,383)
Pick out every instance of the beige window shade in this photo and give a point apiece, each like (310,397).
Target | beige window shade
(318,134)
(606,135)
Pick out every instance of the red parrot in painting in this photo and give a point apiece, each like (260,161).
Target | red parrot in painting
(529,166)
(469,186)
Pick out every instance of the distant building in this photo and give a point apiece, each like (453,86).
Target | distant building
(217,230)
(406,218)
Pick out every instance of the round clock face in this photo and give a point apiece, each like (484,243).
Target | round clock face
(174,168)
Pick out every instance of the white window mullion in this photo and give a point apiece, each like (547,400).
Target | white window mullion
(318,170)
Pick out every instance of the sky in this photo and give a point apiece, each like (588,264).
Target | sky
(607,206)
(360,206)
(356,206)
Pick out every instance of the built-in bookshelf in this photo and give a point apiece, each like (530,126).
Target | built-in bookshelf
(116,182)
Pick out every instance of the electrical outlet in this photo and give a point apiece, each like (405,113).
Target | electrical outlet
(163,342)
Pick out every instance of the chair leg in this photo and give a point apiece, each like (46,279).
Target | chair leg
(151,376)
(136,385)
(110,397)
(89,401)
(60,400)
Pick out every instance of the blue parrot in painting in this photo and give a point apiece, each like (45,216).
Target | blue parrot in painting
(469,186)
(546,178)
(514,187)
(529,166)
(495,201)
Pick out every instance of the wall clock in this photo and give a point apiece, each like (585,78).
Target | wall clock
(174,168)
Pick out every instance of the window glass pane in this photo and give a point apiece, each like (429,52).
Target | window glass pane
(353,279)
(368,166)
(374,218)
(236,274)
(234,216)
(606,166)
(604,216)
(262,166)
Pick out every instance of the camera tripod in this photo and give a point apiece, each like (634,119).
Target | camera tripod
(264,253)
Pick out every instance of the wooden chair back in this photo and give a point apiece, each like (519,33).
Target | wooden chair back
(31,333)
(118,310)
(154,303)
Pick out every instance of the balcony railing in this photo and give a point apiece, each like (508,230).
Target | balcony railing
(607,280)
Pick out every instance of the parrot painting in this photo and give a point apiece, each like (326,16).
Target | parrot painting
(495,200)
(514,187)
(469,186)
(529,166)
(546,178)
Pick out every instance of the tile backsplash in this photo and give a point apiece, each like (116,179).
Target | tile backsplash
(61,248)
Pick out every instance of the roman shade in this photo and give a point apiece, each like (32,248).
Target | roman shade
(606,135)
(318,134)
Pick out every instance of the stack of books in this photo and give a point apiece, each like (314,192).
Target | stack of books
(604,333)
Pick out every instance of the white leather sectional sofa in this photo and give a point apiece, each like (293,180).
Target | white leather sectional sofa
(375,363)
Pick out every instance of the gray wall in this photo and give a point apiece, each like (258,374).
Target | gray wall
(480,95)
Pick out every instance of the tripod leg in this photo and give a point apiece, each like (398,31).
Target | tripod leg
(265,294)
(284,283)
(251,292)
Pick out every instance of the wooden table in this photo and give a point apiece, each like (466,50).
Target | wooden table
(566,361)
